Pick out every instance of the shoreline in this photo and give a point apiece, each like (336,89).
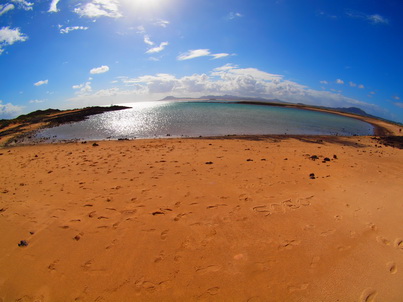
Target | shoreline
(23,131)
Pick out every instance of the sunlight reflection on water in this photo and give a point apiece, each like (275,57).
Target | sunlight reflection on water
(157,119)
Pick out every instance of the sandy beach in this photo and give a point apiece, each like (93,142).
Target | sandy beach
(219,219)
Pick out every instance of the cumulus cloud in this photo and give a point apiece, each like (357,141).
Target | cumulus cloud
(398,104)
(352,84)
(66,30)
(244,82)
(83,89)
(40,83)
(158,48)
(53,6)
(10,36)
(99,70)
(5,8)
(361,86)
(99,8)
(227,79)
(9,110)
(339,81)
(324,82)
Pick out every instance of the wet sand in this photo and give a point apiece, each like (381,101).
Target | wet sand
(219,219)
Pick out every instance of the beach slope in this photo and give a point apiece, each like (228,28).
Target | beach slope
(221,219)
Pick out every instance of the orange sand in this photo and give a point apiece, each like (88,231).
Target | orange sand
(230,219)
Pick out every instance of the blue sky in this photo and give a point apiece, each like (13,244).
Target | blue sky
(74,53)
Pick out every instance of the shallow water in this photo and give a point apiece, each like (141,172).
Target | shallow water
(159,119)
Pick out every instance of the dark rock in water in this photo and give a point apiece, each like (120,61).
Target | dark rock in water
(23,243)
(95,145)
(314,157)
(312,176)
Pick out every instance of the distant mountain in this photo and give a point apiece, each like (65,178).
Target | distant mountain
(225,97)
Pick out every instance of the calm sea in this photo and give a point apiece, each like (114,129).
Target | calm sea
(176,119)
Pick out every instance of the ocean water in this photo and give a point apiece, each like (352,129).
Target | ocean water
(192,119)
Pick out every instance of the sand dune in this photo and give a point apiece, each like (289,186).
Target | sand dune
(230,219)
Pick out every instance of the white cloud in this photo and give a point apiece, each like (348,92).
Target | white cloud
(53,6)
(10,36)
(324,82)
(398,104)
(141,29)
(147,40)
(227,79)
(195,53)
(36,101)
(100,8)
(396,97)
(361,86)
(220,55)
(339,81)
(158,48)
(5,8)
(99,70)
(374,19)
(84,89)
(40,83)
(71,28)
(162,23)
(23,4)
(233,15)
(352,84)
(9,110)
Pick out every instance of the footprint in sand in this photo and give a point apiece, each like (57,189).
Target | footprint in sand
(288,244)
(368,295)
(210,292)
(52,266)
(164,234)
(315,261)
(399,243)
(327,233)
(208,269)
(391,267)
(383,240)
